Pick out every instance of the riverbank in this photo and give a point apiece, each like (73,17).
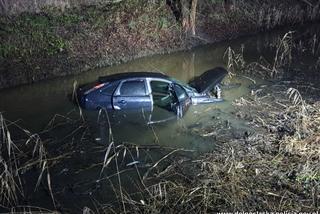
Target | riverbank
(54,43)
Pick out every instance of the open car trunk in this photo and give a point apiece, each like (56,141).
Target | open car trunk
(207,81)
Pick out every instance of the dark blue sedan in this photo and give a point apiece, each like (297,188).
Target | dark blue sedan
(144,91)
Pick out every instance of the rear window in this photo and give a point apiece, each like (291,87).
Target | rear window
(133,88)
(109,88)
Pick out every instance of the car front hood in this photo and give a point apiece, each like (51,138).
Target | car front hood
(208,80)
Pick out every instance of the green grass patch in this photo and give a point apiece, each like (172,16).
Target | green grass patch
(6,50)
(32,35)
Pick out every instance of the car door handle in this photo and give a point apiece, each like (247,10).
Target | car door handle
(123,102)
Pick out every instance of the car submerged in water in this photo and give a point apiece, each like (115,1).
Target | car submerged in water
(147,91)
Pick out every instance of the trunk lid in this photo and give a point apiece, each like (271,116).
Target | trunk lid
(208,80)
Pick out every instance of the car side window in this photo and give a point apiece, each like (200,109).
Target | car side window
(109,88)
(133,88)
(159,87)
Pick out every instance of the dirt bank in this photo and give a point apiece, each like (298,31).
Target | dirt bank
(53,43)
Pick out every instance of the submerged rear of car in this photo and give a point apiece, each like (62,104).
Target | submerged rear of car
(96,95)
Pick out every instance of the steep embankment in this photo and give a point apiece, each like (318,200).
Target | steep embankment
(37,46)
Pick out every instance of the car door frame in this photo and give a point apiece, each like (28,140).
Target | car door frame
(171,84)
(150,79)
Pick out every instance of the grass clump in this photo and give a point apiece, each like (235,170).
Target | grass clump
(10,186)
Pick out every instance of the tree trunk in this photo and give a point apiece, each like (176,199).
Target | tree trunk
(193,17)
(185,15)
(188,15)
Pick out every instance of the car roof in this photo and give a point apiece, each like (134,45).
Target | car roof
(128,75)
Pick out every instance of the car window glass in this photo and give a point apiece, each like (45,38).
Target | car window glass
(159,87)
(162,95)
(180,92)
(109,88)
(133,88)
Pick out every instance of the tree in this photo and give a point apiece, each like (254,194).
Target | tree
(193,14)
(188,15)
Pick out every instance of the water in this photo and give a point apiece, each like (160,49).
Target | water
(76,181)
(34,105)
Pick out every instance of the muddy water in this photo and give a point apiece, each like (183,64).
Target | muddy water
(76,183)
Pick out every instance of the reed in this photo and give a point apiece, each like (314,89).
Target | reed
(283,56)
(10,185)
(27,153)
(235,61)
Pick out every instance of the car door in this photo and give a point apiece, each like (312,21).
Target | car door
(183,99)
(163,100)
(132,95)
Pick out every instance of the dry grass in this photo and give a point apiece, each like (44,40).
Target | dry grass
(283,56)
(10,186)
(235,61)
(27,153)
(287,47)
